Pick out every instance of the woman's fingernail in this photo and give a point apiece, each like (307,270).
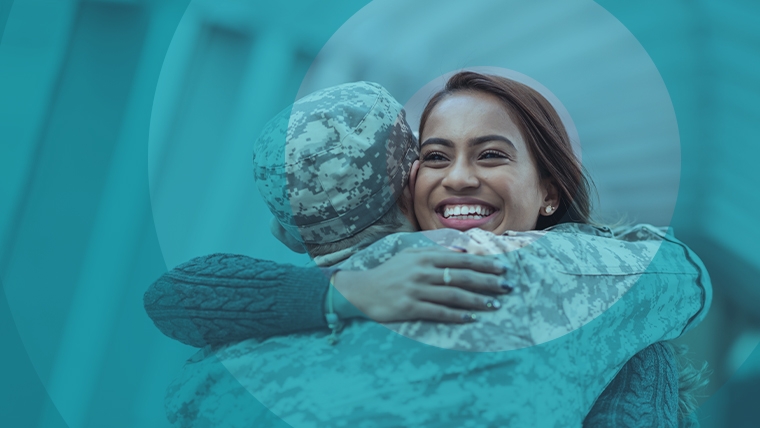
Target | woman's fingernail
(500,266)
(460,249)
(469,317)
(505,286)
(493,304)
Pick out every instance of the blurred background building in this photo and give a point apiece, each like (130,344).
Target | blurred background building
(126,129)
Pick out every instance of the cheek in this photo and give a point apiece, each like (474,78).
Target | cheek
(505,183)
(422,189)
(518,191)
(530,201)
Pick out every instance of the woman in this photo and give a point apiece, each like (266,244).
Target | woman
(484,175)
(502,143)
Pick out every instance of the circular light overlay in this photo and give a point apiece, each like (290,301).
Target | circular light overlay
(621,112)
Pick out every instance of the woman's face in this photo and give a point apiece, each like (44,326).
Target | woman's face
(475,169)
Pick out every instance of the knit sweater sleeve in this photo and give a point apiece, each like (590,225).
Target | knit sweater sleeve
(644,393)
(223,298)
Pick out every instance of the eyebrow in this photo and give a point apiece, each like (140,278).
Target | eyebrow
(473,142)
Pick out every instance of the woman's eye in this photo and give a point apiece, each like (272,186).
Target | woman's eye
(493,154)
(434,157)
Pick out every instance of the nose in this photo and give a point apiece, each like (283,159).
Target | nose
(461,176)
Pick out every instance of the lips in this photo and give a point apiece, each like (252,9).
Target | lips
(464,213)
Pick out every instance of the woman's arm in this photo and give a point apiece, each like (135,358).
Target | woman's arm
(644,392)
(224,298)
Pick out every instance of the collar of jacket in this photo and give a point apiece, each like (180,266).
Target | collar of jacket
(590,229)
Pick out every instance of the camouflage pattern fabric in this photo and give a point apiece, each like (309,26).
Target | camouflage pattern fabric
(584,304)
(335,161)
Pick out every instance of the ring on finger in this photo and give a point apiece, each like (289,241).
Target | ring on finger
(447,276)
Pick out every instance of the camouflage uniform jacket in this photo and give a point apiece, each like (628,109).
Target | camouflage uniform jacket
(583,305)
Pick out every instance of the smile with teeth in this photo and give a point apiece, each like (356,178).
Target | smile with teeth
(466,212)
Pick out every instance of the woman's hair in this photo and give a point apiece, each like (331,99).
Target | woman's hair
(692,380)
(544,133)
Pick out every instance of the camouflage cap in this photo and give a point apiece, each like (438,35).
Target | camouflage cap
(335,161)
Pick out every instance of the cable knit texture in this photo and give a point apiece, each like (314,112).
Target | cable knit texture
(224,298)
(643,394)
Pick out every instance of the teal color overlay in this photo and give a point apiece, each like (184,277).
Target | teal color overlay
(92,212)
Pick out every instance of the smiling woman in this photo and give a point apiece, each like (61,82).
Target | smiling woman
(495,155)
(476,170)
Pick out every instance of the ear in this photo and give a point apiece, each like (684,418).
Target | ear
(551,197)
(407,197)
(283,236)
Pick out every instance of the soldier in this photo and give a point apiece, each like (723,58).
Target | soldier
(565,336)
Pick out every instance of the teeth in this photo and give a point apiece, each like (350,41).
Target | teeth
(466,212)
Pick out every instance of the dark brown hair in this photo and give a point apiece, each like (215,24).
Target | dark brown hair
(545,135)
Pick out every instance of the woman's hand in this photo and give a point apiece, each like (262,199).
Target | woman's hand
(413,286)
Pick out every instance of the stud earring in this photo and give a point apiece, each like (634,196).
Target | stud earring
(548,209)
